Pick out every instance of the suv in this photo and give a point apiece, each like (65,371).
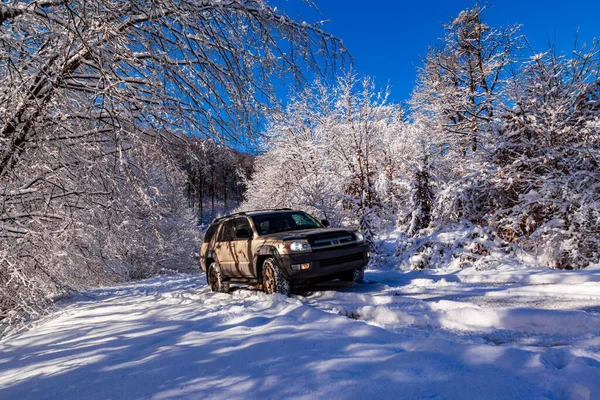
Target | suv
(273,249)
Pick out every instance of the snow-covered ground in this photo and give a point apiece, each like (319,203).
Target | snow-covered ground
(507,333)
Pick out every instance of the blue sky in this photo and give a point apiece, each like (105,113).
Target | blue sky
(387,37)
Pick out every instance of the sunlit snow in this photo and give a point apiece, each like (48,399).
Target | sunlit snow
(508,333)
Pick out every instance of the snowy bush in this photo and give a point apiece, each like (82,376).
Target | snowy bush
(539,184)
(519,155)
(451,245)
(547,151)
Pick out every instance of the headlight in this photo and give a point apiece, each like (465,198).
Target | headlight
(298,246)
(360,238)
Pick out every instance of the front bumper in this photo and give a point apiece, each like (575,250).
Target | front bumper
(323,263)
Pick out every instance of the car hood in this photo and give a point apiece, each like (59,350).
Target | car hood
(305,233)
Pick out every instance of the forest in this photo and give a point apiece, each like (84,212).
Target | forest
(127,126)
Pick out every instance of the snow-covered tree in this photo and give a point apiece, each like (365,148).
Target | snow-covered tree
(456,97)
(538,185)
(459,85)
(517,153)
(295,169)
(547,155)
(334,152)
(215,175)
(93,95)
(422,196)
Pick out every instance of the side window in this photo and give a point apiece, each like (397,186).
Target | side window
(210,232)
(263,227)
(243,223)
(227,233)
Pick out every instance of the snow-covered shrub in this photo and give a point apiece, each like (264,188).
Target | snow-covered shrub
(547,153)
(472,197)
(154,230)
(451,245)
(539,183)
(520,154)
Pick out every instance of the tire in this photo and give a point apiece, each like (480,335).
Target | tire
(214,276)
(272,279)
(356,276)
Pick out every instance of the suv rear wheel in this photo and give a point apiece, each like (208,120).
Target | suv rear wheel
(215,279)
(273,281)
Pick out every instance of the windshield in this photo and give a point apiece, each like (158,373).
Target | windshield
(284,221)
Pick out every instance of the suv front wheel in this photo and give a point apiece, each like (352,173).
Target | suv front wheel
(215,279)
(356,276)
(272,279)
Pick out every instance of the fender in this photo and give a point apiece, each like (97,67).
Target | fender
(209,254)
(262,250)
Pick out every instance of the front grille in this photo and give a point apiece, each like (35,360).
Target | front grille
(328,262)
(327,241)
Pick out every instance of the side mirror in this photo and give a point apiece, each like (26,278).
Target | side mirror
(242,234)
(325,223)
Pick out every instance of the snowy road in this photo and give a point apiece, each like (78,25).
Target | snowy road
(401,335)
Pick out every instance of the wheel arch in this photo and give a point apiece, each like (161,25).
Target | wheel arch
(209,259)
(260,255)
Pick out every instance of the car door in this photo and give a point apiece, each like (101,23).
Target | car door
(233,252)
(241,248)
(223,247)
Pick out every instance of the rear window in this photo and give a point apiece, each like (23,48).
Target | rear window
(210,232)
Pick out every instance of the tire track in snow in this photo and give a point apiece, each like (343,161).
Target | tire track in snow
(499,314)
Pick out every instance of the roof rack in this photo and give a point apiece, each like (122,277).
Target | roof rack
(271,209)
(246,212)
(227,216)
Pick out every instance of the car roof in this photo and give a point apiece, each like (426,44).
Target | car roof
(254,212)
(277,210)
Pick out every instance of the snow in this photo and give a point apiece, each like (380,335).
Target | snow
(410,334)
